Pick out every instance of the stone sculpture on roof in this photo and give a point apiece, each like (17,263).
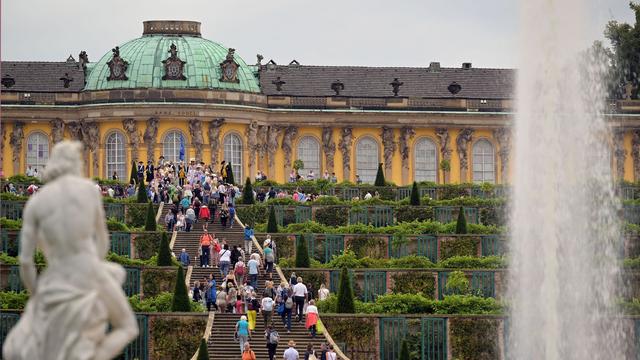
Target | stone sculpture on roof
(173,65)
(117,66)
(229,68)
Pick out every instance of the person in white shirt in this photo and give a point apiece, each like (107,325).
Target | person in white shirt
(331,355)
(368,196)
(323,293)
(299,295)
(291,353)
(267,310)
(311,175)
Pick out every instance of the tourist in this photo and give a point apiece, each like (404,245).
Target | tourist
(239,270)
(323,293)
(273,338)
(310,175)
(225,260)
(248,354)
(170,220)
(334,178)
(180,221)
(291,353)
(205,245)
(224,215)
(312,318)
(253,306)
(309,354)
(221,300)
(368,196)
(358,180)
(310,292)
(269,259)
(235,256)
(232,215)
(331,355)
(197,296)
(299,295)
(287,308)
(248,241)
(269,291)
(184,258)
(293,176)
(323,352)
(326,175)
(216,251)
(254,270)
(190,215)
(210,294)
(242,331)
(293,280)
(238,305)
(232,296)
(267,309)
(204,215)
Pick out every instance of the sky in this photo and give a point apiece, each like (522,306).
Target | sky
(326,32)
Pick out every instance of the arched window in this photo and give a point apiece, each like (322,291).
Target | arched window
(367,159)
(425,166)
(37,151)
(233,155)
(115,156)
(309,153)
(172,145)
(483,162)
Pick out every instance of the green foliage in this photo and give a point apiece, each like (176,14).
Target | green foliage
(8,224)
(410,262)
(414,227)
(10,300)
(345,294)
(370,246)
(7,196)
(632,263)
(175,337)
(379,177)
(147,244)
(253,214)
(409,213)
(332,215)
(298,164)
(461,224)
(142,197)
(180,294)
(629,307)
(114,225)
(404,350)
(203,352)
(134,173)
(462,246)
(472,262)
(474,339)
(445,165)
(230,178)
(457,283)
(136,215)
(150,224)
(247,193)
(626,47)
(5,259)
(467,304)
(415,195)
(272,224)
(157,280)
(164,255)
(24,179)
(414,283)
(302,253)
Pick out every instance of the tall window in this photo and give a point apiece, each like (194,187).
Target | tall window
(367,159)
(483,162)
(116,156)
(309,153)
(233,155)
(426,168)
(37,151)
(171,145)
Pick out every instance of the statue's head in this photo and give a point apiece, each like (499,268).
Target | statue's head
(65,159)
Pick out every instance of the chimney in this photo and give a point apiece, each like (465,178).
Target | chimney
(466,65)
(434,66)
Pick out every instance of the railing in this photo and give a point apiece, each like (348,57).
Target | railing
(327,336)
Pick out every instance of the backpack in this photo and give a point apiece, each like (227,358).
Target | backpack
(289,303)
(274,337)
(255,304)
(268,304)
(240,270)
(269,257)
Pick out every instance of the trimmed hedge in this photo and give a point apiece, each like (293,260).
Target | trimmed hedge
(332,216)
(474,339)
(410,283)
(175,338)
(157,280)
(459,247)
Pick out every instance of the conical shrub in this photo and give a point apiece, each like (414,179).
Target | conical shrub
(272,224)
(346,304)
(302,253)
(150,223)
(134,173)
(404,350)
(142,193)
(203,352)
(230,178)
(380,177)
(461,224)
(180,296)
(164,254)
(415,194)
(247,193)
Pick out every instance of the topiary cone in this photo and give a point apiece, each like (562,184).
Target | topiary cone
(247,193)
(150,224)
(164,254)
(180,301)
(461,224)
(346,304)
(272,224)
(142,193)
(415,195)
(302,253)
(380,176)
(203,352)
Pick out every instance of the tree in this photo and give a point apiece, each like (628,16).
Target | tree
(230,178)
(142,193)
(134,173)
(302,253)
(346,304)
(180,296)
(150,224)
(203,352)
(272,224)
(247,193)
(626,47)
(380,177)
(461,224)
(415,194)
(404,350)
(164,254)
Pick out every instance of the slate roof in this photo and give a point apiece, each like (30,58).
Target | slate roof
(36,76)
(301,80)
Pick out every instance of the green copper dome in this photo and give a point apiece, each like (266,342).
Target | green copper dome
(145,55)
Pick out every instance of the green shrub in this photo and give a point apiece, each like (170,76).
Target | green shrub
(161,303)
(164,255)
(472,262)
(24,179)
(175,337)
(203,352)
(147,244)
(134,173)
(272,224)
(412,283)
(629,307)
(142,197)
(409,213)
(347,260)
(467,304)
(7,196)
(345,294)
(180,294)
(415,195)
(302,253)
(8,224)
(457,283)
(247,193)
(230,178)
(156,281)
(462,246)
(371,246)
(136,215)
(380,177)
(5,259)
(332,215)
(10,300)
(410,262)
(252,214)
(114,225)
(404,349)
(150,224)
(461,224)
(632,263)
(474,339)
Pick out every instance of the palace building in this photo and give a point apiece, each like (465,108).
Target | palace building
(171,89)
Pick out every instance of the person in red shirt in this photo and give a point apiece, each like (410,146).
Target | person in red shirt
(205,244)
(204,215)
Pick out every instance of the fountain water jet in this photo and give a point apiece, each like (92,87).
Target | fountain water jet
(564,220)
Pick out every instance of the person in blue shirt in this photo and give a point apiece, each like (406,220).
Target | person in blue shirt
(185,202)
(243,331)
(210,294)
(232,215)
(184,258)
(248,243)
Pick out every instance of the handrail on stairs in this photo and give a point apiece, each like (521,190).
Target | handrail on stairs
(159,213)
(327,336)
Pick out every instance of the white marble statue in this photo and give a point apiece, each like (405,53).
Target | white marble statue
(79,294)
